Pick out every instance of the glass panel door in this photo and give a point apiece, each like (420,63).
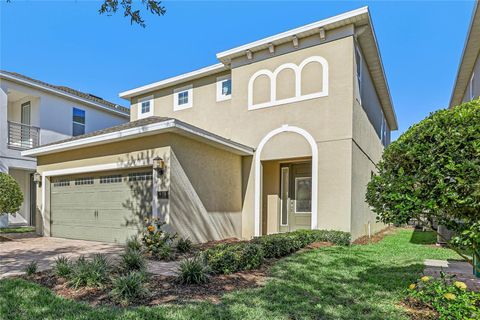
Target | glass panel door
(303,195)
(284,197)
(25,128)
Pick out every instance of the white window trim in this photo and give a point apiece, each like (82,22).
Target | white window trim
(141,115)
(220,80)
(176,92)
(297,69)
(295,204)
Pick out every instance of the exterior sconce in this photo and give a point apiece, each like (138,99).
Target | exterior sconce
(159,165)
(37,179)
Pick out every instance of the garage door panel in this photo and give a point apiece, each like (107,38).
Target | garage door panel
(102,208)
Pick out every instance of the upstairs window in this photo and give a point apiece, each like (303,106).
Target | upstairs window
(145,107)
(183,98)
(358,59)
(78,122)
(224,88)
(472,88)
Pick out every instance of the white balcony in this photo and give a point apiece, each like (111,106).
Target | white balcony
(22,136)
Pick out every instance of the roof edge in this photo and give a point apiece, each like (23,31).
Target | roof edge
(390,102)
(212,69)
(63,93)
(289,33)
(453,98)
(135,132)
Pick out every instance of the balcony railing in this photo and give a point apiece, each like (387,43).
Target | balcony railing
(22,136)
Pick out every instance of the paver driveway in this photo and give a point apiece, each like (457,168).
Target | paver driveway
(16,254)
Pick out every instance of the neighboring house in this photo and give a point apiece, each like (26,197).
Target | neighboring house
(467,83)
(33,113)
(282,134)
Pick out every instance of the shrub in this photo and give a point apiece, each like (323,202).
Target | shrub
(133,244)
(164,252)
(278,245)
(228,258)
(133,260)
(282,244)
(156,241)
(31,268)
(11,196)
(431,174)
(184,245)
(340,238)
(451,299)
(192,271)
(63,267)
(129,287)
(89,273)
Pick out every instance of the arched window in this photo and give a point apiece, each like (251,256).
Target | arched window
(289,83)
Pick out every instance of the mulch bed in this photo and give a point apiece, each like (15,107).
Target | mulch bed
(375,237)
(164,289)
(418,311)
(5,239)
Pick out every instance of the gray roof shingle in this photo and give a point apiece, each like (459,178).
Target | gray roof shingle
(71,91)
(127,125)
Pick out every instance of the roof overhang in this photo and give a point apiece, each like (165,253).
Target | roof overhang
(216,68)
(359,17)
(62,94)
(171,125)
(301,32)
(470,55)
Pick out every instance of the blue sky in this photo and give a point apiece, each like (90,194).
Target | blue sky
(68,43)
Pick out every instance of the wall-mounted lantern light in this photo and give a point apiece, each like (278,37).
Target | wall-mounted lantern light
(159,165)
(37,178)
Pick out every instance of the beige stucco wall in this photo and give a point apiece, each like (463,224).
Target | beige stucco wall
(328,119)
(205,202)
(206,191)
(367,150)
(346,142)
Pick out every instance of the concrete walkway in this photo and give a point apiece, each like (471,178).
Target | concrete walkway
(17,254)
(460,269)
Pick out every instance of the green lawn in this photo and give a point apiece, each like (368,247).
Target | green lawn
(358,282)
(17,230)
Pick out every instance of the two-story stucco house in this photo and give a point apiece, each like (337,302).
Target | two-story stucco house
(467,83)
(283,133)
(33,113)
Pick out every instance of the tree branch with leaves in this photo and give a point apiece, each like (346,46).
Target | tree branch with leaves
(111,7)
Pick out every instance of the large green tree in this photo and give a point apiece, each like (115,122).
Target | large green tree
(432,174)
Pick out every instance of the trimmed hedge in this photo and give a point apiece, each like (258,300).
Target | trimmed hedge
(282,244)
(228,258)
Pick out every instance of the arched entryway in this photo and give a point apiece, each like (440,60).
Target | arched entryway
(258,174)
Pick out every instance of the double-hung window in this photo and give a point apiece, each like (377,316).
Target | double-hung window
(145,107)
(183,98)
(224,88)
(78,122)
